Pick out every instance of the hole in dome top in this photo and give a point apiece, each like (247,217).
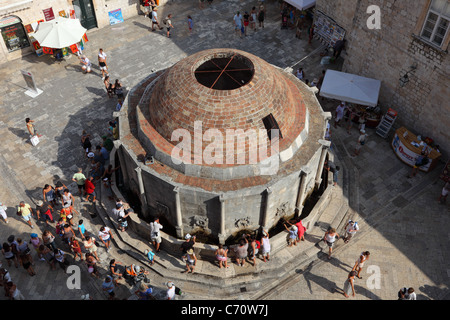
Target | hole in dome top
(225,73)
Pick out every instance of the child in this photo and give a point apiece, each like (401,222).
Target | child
(75,246)
(123,224)
(59,228)
(190,24)
(150,255)
(292,235)
(81,229)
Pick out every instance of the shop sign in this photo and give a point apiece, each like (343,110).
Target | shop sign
(48,14)
(29,79)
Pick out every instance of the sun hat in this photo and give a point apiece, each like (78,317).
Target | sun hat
(39,203)
(190,251)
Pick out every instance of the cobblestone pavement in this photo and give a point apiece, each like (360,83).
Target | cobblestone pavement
(405,227)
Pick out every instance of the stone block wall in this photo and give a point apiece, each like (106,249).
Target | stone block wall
(388,53)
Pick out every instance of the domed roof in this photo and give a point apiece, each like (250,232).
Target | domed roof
(225,89)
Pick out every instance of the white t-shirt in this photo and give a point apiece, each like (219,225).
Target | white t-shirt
(155,227)
(87,61)
(171,293)
(102,55)
(104,235)
(352,228)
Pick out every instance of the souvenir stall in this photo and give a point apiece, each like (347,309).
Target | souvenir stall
(408,146)
(57,36)
(361,92)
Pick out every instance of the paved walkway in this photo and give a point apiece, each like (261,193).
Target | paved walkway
(403,226)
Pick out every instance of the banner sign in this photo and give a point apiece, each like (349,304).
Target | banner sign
(115,17)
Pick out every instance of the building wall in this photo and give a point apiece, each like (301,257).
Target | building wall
(31,12)
(388,53)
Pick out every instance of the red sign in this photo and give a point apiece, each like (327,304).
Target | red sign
(48,14)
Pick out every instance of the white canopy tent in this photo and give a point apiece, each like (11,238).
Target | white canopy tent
(350,88)
(302,4)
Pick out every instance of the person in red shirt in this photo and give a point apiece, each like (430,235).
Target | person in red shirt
(90,189)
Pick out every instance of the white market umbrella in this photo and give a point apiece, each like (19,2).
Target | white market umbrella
(59,33)
(350,88)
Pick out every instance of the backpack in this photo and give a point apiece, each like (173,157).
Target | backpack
(178,291)
(424,161)
(165,20)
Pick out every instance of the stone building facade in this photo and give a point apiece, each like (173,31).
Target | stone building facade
(413,38)
(15,14)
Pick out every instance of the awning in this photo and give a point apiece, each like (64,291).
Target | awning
(302,4)
(350,88)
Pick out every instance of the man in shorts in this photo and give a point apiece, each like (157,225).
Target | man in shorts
(105,235)
(155,235)
(168,24)
(102,63)
(25,211)
(80,179)
(155,19)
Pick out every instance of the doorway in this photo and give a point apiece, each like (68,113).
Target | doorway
(84,10)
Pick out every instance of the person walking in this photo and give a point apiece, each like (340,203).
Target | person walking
(105,236)
(86,142)
(261,15)
(168,23)
(330,237)
(361,141)
(349,284)
(49,240)
(108,286)
(61,259)
(49,194)
(25,211)
(9,254)
(339,114)
(170,293)
(102,63)
(80,179)
(190,23)
(31,128)
(238,24)
(154,17)
(3,212)
(359,264)
(36,242)
(442,198)
(350,230)
(89,188)
(12,292)
(90,246)
(155,235)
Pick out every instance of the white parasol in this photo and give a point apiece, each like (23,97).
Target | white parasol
(350,88)
(59,33)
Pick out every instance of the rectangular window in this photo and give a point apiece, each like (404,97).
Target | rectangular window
(271,124)
(436,25)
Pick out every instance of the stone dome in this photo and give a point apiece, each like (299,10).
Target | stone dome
(225,89)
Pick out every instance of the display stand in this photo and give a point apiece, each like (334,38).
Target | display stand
(386,123)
